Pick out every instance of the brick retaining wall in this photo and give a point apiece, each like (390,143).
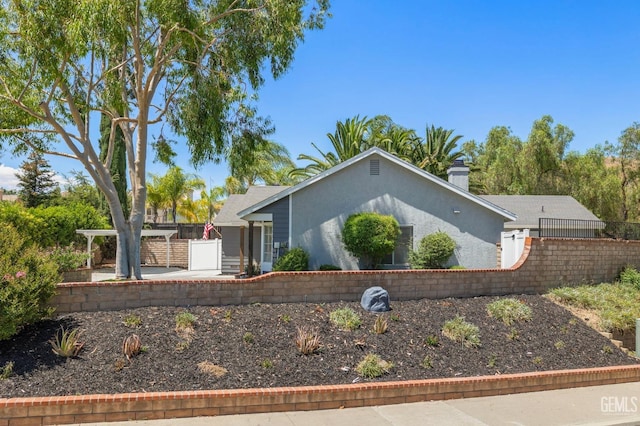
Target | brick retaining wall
(167,405)
(545,263)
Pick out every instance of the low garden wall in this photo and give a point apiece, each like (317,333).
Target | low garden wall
(545,263)
(168,405)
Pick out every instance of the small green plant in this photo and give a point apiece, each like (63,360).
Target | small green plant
(345,318)
(185,320)
(66,343)
(295,259)
(537,360)
(433,251)
(394,317)
(432,340)
(513,334)
(227,315)
(509,310)
(132,321)
(607,349)
(285,318)
(462,331)
(248,338)
(373,366)
(493,359)
(307,341)
(6,371)
(427,362)
(559,344)
(381,325)
(266,364)
(119,364)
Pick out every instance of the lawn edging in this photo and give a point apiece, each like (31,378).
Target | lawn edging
(167,405)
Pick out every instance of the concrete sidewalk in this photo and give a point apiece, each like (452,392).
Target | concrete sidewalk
(597,405)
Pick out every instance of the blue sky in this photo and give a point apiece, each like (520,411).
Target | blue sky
(463,65)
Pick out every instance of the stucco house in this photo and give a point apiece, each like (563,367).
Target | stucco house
(311,214)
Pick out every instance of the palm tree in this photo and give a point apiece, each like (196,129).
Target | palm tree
(438,152)
(259,162)
(155,198)
(212,201)
(177,185)
(350,139)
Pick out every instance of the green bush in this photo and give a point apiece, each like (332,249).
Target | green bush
(509,310)
(372,366)
(630,276)
(370,236)
(68,259)
(295,259)
(329,267)
(345,318)
(461,331)
(433,251)
(28,280)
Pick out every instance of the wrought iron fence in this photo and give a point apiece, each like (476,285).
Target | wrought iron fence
(186,231)
(574,228)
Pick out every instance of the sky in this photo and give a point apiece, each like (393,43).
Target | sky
(462,65)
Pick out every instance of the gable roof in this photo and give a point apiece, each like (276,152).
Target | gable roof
(507,215)
(228,215)
(529,208)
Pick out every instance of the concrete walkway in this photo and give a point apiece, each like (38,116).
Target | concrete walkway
(597,405)
(162,273)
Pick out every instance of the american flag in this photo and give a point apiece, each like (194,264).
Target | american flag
(207,228)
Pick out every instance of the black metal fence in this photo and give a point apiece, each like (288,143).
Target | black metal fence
(186,231)
(574,228)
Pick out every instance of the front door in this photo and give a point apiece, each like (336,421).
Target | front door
(266,260)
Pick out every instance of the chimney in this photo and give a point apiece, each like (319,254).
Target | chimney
(459,174)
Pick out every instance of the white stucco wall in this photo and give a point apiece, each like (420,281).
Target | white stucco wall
(320,210)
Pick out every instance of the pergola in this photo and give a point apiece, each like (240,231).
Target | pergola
(90,234)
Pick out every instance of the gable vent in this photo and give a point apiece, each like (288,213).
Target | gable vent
(374,167)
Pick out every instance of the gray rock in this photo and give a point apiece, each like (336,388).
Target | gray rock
(375,299)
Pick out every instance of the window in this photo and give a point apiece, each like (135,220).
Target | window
(267,242)
(400,255)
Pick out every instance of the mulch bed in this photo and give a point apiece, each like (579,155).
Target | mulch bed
(255,344)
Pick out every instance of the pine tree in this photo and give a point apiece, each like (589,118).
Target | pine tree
(36,186)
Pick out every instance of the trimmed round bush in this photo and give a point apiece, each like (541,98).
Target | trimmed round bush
(295,259)
(28,280)
(370,236)
(433,251)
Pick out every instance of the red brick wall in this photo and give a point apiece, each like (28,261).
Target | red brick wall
(168,405)
(545,263)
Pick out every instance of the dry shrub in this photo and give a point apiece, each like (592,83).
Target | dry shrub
(307,341)
(215,370)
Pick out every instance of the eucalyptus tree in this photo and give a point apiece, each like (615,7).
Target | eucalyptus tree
(195,65)
(625,154)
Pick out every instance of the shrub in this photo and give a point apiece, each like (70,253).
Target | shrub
(295,259)
(67,343)
(131,346)
(185,320)
(132,321)
(345,318)
(61,223)
(381,325)
(307,341)
(630,276)
(6,371)
(373,366)
(68,259)
(461,331)
(433,251)
(427,362)
(329,267)
(248,337)
(27,282)
(370,236)
(509,310)
(208,367)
